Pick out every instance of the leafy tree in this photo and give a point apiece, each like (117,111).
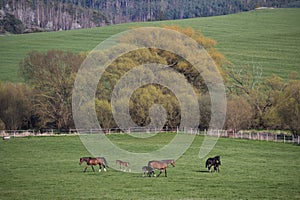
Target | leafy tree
(239,113)
(104,114)
(246,81)
(289,106)
(205,111)
(2,125)
(11,24)
(275,102)
(16,107)
(148,95)
(274,89)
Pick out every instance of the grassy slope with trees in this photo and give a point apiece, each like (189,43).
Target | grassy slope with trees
(268,38)
(51,75)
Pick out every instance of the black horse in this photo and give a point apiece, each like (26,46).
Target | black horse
(215,162)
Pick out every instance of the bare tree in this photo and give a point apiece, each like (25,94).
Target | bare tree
(52,76)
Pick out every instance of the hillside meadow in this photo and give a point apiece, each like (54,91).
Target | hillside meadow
(48,168)
(267,38)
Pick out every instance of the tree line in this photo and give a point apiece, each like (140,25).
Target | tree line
(18,16)
(45,99)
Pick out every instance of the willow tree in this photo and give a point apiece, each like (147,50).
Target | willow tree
(150,94)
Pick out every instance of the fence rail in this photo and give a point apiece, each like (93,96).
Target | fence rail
(267,136)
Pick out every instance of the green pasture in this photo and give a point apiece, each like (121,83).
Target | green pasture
(47,168)
(266,38)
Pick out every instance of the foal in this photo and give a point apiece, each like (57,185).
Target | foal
(147,170)
(124,165)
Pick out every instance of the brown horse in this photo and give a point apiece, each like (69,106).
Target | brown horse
(90,161)
(124,165)
(160,165)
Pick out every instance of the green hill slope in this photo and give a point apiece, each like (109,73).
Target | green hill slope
(269,38)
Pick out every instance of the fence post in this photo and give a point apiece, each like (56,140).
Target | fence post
(283,138)
(268,137)
(298,139)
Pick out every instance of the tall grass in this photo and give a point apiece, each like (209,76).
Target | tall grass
(47,168)
(266,38)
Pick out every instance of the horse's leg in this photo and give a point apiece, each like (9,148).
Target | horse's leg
(151,172)
(99,167)
(104,168)
(85,168)
(93,168)
(160,171)
(166,172)
(216,167)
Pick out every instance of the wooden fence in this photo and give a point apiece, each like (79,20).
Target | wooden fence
(250,135)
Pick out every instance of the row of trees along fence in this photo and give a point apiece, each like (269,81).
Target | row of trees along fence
(250,135)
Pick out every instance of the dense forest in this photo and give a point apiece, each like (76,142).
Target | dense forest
(19,16)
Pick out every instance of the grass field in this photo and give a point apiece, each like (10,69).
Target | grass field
(47,168)
(268,38)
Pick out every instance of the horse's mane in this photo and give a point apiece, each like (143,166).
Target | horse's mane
(168,161)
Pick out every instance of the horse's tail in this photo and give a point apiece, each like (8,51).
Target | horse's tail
(105,162)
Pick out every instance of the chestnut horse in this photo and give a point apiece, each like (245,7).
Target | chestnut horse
(90,161)
(123,165)
(160,165)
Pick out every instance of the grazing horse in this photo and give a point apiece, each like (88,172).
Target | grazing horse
(160,165)
(90,161)
(147,170)
(215,161)
(124,165)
